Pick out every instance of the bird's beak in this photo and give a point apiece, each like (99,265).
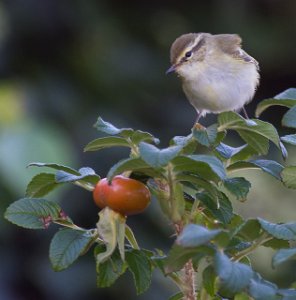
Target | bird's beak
(171,69)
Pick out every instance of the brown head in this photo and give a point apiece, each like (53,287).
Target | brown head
(187,46)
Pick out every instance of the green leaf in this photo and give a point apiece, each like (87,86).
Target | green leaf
(54,166)
(106,142)
(227,151)
(155,157)
(41,185)
(178,256)
(289,119)
(131,237)
(135,136)
(234,276)
(161,193)
(289,139)
(242,296)
(141,268)
(33,213)
(238,186)
(287,94)
(199,184)
(276,244)
(269,166)
(207,166)
(220,207)
(249,230)
(86,174)
(66,246)
(289,177)
(245,153)
(288,294)
(261,289)
(283,255)
(232,120)
(132,164)
(286,98)
(209,280)
(205,136)
(110,270)
(111,229)
(258,143)
(195,235)
(141,136)
(178,296)
(285,231)
(110,129)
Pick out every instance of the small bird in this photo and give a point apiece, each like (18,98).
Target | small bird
(217,74)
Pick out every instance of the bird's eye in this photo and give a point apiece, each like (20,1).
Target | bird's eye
(188,54)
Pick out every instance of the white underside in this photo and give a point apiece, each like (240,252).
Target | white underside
(219,88)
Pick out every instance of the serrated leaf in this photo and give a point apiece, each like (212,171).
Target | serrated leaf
(195,235)
(199,184)
(227,151)
(110,129)
(242,296)
(258,143)
(209,280)
(182,140)
(178,296)
(232,120)
(55,167)
(220,207)
(111,227)
(66,246)
(289,177)
(141,268)
(139,136)
(269,166)
(207,166)
(178,256)
(40,185)
(276,244)
(289,139)
(86,174)
(234,276)
(155,157)
(286,98)
(262,290)
(288,294)
(238,186)
(283,255)
(286,231)
(106,142)
(110,270)
(132,164)
(249,230)
(289,119)
(287,94)
(32,213)
(205,136)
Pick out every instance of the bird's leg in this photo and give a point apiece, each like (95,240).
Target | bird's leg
(245,113)
(196,124)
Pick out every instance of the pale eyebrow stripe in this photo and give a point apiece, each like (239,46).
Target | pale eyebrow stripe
(198,44)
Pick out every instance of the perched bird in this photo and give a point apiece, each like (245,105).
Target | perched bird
(216,74)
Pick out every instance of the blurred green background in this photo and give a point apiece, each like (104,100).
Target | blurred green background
(64,63)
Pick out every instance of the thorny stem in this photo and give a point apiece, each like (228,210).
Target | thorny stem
(188,271)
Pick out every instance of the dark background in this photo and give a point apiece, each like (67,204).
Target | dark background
(64,63)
